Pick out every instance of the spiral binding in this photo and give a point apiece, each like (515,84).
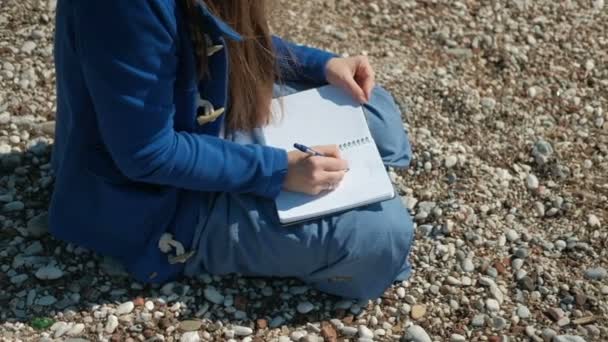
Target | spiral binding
(354,143)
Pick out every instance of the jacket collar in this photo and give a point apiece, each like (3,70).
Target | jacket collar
(216,25)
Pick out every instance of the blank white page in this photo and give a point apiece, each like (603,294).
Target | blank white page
(326,116)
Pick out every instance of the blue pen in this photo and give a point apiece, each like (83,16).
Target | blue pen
(307,149)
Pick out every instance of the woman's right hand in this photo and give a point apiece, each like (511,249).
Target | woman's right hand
(313,174)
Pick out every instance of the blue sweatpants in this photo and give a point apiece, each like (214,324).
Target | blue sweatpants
(356,254)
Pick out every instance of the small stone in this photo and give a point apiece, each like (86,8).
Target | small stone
(46,301)
(562,322)
(467,265)
(276,322)
(492,305)
(416,333)
(242,331)
(190,325)
(34,249)
(349,331)
(213,295)
(49,273)
(497,294)
(191,336)
(488,103)
(451,161)
(400,292)
(523,312)
(139,301)
(328,332)
(38,226)
(555,313)
(76,330)
(512,235)
(526,283)
(596,273)
(499,323)
(479,320)
(593,221)
(261,324)
(111,324)
(522,253)
(568,338)
(418,311)
(13,206)
(305,307)
(28,47)
(548,334)
(125,308)
(542,152)
(532,182)
(457,338)
(364,332)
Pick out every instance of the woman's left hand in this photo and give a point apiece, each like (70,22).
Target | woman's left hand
(353,74)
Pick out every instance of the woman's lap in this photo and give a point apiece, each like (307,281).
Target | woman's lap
(354,254)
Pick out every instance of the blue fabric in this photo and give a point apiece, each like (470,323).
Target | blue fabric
(130,159)
(356,254)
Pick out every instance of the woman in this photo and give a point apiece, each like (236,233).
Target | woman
(156,160)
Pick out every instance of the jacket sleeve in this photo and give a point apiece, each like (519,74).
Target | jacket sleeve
(129,57)
(301,62)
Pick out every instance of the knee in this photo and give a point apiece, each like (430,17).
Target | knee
(384,233)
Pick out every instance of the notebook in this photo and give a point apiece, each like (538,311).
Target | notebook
(322,116)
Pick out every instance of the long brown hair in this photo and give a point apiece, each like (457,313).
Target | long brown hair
(253,66)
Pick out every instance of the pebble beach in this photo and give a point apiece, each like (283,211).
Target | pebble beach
(506,106)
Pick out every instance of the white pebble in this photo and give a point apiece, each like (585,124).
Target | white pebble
(416,333)
(111,324)
(492,305)
(242,331)
(191,336)
(593,221)
(125,308)
(532,182)
(364,332)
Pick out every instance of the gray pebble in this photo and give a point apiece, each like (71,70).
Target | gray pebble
(305,307)
(568,338)
(523,312)
(542,151)
(13,206)
(479,320)
(467,265)
(499,323)
(213,295)
(522,253)
(46,301)
(596,273)
(49,273)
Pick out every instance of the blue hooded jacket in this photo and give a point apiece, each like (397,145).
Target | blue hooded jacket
(130,157)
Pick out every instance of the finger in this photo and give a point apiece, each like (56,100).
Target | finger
(331,164)
(330,178)
(355,90)
(365,77)
(329,150)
